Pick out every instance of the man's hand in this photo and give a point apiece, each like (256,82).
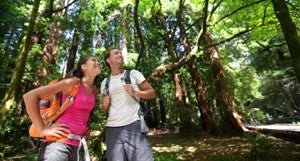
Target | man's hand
(128,88)
(105,103)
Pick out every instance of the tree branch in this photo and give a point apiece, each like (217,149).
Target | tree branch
(239,9)
(164,68)
(62,8)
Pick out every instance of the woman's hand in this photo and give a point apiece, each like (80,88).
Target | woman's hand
(57,130)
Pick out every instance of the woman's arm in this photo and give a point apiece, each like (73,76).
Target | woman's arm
(32,98)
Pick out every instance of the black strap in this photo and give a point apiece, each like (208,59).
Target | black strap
(106,88)
(127,81)
(127,77)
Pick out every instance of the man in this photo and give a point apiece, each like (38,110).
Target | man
(123,135)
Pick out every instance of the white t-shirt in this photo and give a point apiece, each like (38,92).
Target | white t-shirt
(124,108)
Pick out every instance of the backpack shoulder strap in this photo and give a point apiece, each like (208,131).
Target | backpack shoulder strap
(128,80)
(106,87)
(127,76)
(69,100)
(74,89)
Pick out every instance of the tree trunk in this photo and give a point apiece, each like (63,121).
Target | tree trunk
(230,119)
(187,120)
(50,50)
(290,33)
(184,110)
(14,88)
(207,120)
(72,52)
(125,29)
(183,105)
(79,25)
(162,109)
(142,47)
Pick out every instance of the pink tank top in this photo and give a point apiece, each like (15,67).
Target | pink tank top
(76,117)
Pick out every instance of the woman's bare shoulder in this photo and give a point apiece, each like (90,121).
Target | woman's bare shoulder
(67,84)
(70,81)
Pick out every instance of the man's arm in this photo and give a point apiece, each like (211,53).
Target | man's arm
(146,91)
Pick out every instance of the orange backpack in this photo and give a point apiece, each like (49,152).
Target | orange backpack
(51,108)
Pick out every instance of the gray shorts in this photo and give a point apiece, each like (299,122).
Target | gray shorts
(57,151)
(127,143)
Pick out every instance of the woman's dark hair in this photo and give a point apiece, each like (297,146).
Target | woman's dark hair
(78,72)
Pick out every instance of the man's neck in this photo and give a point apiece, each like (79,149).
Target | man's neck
(117,71)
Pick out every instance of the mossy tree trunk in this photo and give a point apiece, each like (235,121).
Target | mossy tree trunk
(14,87)
(290,33)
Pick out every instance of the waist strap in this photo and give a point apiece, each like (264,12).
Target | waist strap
(82,144)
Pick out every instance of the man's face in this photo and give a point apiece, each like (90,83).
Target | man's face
(115,58)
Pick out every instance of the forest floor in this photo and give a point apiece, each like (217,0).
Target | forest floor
(174,146)
(204,147)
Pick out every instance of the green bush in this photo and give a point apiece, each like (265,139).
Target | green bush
(261,145)
(164,157)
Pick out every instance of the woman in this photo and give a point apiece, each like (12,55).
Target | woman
(74,121)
